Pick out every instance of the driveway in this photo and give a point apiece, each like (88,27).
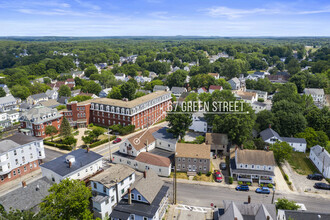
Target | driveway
(191,136)
(300,183)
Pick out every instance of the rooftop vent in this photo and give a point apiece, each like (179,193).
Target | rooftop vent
(70,158)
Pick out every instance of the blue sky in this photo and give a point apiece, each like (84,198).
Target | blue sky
(164,18)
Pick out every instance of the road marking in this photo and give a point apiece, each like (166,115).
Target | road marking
(192,208)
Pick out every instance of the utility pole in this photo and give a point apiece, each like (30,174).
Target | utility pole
(174,181)
(273,196)
(110,154)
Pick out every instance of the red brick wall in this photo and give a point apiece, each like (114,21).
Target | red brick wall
(42,127)
(73,110)
(22,172)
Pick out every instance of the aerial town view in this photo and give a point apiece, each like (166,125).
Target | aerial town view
(164,110)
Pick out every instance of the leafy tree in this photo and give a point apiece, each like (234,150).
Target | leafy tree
(24,214)
(319,119)
(264,119)
(90,70)
(222,82)
(51,130)
(80,98)
(192,97)
(64,91)
(68,199)
(282,151)
(115,93)
(138,94)
(293,66)
(285,204)
(65,129)
(202,80)
(177,78)
(70,140)
(38,88)
(128,90)
(313,137)
(152,84)
(91,87)
(60,107)
(2,92)
(287,91)
(21,92)
(179,122)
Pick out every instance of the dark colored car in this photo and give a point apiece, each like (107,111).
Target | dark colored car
(117,140)
(218,176)
(322,186)
(315,176)
(223,166)
(263,190)
(242,188)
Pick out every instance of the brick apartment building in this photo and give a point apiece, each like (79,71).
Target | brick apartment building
(141,112)
(19,155)
(35,121)
(78,113)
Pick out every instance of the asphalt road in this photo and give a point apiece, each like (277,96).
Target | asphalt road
(203,196)
(51,154)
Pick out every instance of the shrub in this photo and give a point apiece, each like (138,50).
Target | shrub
(97,143)
(289,183)
(286,177)
(209,173)
(61,146)
(248,183)
(123,130)
(231,180)
(199,173)
(261,185)
(91,125)
(270,185)
(261,100)
(240,182)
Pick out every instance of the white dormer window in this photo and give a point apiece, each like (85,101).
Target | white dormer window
(92,106)
(107,109)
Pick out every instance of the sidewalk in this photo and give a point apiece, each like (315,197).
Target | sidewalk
(56,149)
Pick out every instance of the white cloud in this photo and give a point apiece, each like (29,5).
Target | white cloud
(159,14)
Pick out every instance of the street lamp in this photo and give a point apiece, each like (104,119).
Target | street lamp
(110,154)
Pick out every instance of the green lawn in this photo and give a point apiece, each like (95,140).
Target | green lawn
(301,163)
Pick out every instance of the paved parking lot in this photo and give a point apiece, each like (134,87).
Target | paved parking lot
(185,212)
(300,183)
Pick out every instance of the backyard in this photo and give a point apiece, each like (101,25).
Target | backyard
(301,163)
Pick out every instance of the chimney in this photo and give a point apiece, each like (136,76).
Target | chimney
(236,148)
(235,218)
(129,196)
(322,149)
(249,199)
(37,188)
(268,218)
(270,126)
(87,149)
(23,184)
(70,164)
(145,174)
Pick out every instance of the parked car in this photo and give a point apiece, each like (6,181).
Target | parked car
(315,176)
(223,166)
(242,188)
(322,186)
(218,176)
(117,140)
(263,190)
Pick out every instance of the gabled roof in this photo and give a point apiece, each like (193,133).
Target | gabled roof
(153,159)
(39,96)
(214,87)
(256,157)
(305,215)
(144,137)
(216,139)
(16,140)
(149,186)
(162,134)
(322,154)
(26,198)
(200,151)
(7,99)
(82,160)
(294,140)
(178,90)
(268,133)
(235,80)
(203,88)
(313,91)
(159,87)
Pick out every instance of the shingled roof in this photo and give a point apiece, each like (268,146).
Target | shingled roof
(153,159)
(200,151)
(256,157)
(216,139)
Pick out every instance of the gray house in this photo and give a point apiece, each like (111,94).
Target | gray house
(8,103)
(161,88)
(177,91)
(235,83)
(219,143)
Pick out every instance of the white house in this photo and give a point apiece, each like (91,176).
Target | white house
(177,91)
(317,95)
(120,76)
(252,165)
(104,93)
(212,88)
(215,75)
(108,187)
(235,83)
(261,94)
(148,150)
(270,136)
(8,103)
(142,79)
(19,155)
(201,90)
(77,164)
(259,106)
(52,94)
(248,97)
(199,124)
(321,159)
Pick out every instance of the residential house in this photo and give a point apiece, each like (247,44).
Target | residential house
(35,121)
(219,143)
(104,93)
(212,88)
(51,103)
(246,210)
(177,91)
(259,106)
(278,78)
(19,155)
(161,88)
(8,103)
(215,75)
(270,136)
(78,73)
(186,68)
(120,76)
(321,159)
(175,69)
(235,83)
(253,165)
(78,164)
(75,92)
(248,97)
(301,215)
(199,124)
(140,151)
(142,79)
(35,99)
(52,94)
(317,95)
(152,75)
(261,94)
(201,90)
(257,75)
(108,187)
(182,97)
(28,197)
(146,199)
